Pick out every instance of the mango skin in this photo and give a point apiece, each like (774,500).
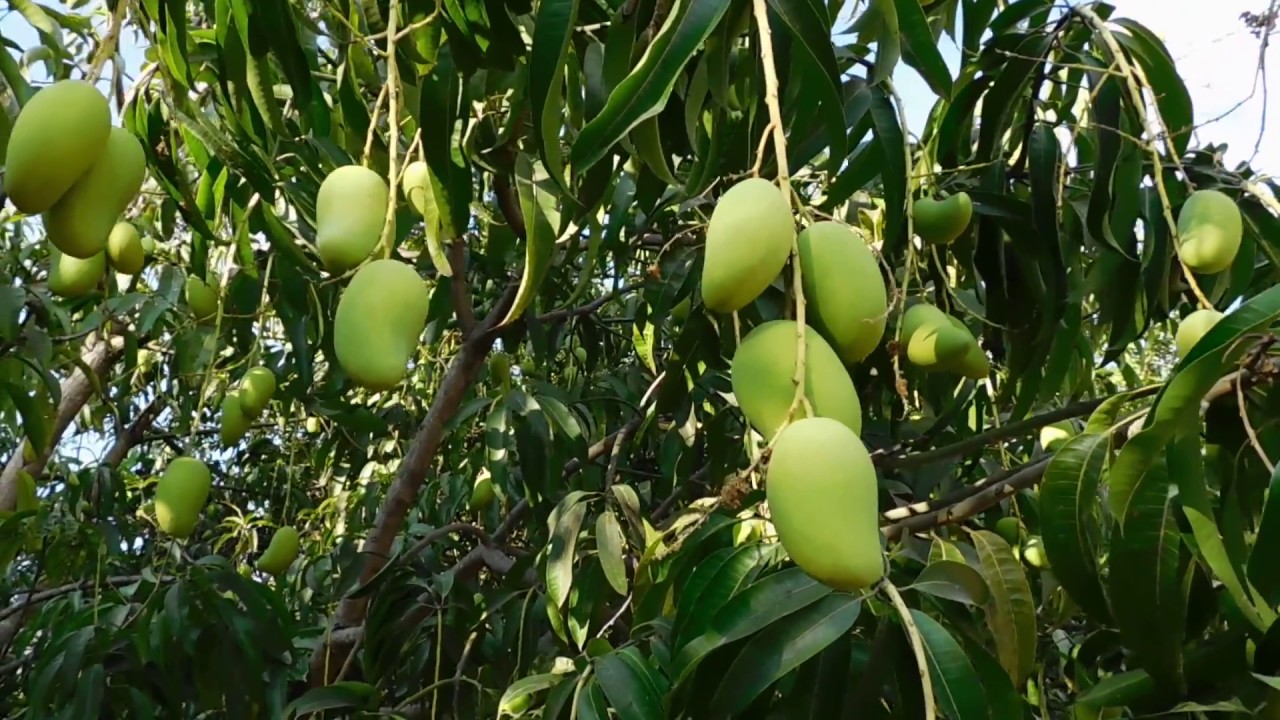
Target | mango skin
(256,388)
(55,139)
(280,552)
(181,495)
(762,371)
(1209,231)
(124,247)
(973,364)
(843,289)
(1009,528)
(72,276)
(201,299)
(749,238)
(380,317)
(940,222)
(1192,328)
(822,493)
(233,423)
(351,209)
(416,186)
(81,220)
(482,493)
(930,340)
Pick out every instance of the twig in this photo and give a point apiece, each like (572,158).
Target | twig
(108,46)
(591,307)
(917,645)
(461,293)
(393,131)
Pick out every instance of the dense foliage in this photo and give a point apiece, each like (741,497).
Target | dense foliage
(558,512)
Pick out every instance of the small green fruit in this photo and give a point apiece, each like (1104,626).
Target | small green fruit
(233,422)
(844,288)
(1210,229)
(500,369)
(280,552)
(1056,435)
(379,321)
(482,492)
(1192,328)
(59,134)
(749,238)
(72,276)
(201,299)
(823,502)
(680,312)
(940,222)
(82,219)
(351,209)
(256,388)
(124,247)
(580,353)
(932,341)
(1010,529)
(416,185)
(181,495)
(762,372)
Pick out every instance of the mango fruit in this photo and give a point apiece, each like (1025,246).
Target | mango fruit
(749,238)
(181,495)
(416,186)
(1210,229)
(930,340)
(844,291)
(256,388)
(233,423)
(1056,435)
(680,312)
(59,134)
(762,370)
(82,219)
(1033,553)
(72,276)
(823,502)
(482,493)
(500,369)
(1192,328)
(973,364)
(1009,528)
(380,317)
(351,209)
(940,222)
(124,247)
(280,552)
(201,299)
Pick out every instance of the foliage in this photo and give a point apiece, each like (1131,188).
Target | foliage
(617,559)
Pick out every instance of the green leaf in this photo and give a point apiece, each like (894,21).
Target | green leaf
(560,554)
(347,694)
(522,688)
(954,581)
(542,226)
(1144,582)
(609,546)
(888,40)
(629,684)
(1173,100)
(781,648)
(888,135)
(644,92)
(1011,611)
(709,588)
(1263,570)
(956,683)
(922,51)
(809,24)
(553,26)
(1068,519)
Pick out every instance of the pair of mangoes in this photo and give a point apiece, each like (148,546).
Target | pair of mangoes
(240,407)
(71,276)
(937,341)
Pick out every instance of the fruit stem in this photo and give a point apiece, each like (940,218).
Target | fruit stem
(392,87)
(108,46)
(900,382)
(760,10)
(917,644)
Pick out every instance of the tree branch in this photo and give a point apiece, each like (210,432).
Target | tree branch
(591,307)
(461,293)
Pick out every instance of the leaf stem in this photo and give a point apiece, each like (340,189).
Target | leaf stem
(917,644)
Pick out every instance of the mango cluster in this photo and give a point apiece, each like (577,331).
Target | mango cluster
(244,404)
(67,163)
(1210,230)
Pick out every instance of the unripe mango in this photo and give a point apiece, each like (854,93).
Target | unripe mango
(256,388)
(1193,327)
(940,222)
(762,371)
(1056,435)
(416,185)
(201,299)
(482,491)
(379,320)
(843,288)
(124,247)
(822,493)
(72,276)
(351,209)
(680,312)
(1009,528)
(233,422)
(55,139)
(749,238)
(83,217)
(930,340)
(1209,231)
(973,364)
(280,552)
(181,494)
(500,369)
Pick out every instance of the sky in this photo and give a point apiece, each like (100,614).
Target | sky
(1213,50)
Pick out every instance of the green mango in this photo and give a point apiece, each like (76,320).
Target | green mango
(181,495)
(940,222)
(1009,528)
(1056,435)
(280,552)
(379,321)
(1210,229)
(201,299)
(416,186)
(124,247)
(749,238)
(256,388)
(56,137)
(482,493)
(930,340)
(1193,327)
(82,219)
(844,291)
(973,364)
(72,276)
(351,209)
(233,423)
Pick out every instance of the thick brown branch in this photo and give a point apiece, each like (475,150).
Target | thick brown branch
(461,294)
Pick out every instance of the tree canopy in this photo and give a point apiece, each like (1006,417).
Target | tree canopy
(437,295)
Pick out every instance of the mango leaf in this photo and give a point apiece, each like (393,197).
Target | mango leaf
(1173,100)
(1011,611)
(644,92)
(781,648)
(542,225)
(888,135)
(808,22)
(922,51)
(956,683)
(709,588)
(633,688)
(553,26)
(1263,571)
(610,547)
(347,694)
(1069,527)
(560,554)
(523,688)
(954,581)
